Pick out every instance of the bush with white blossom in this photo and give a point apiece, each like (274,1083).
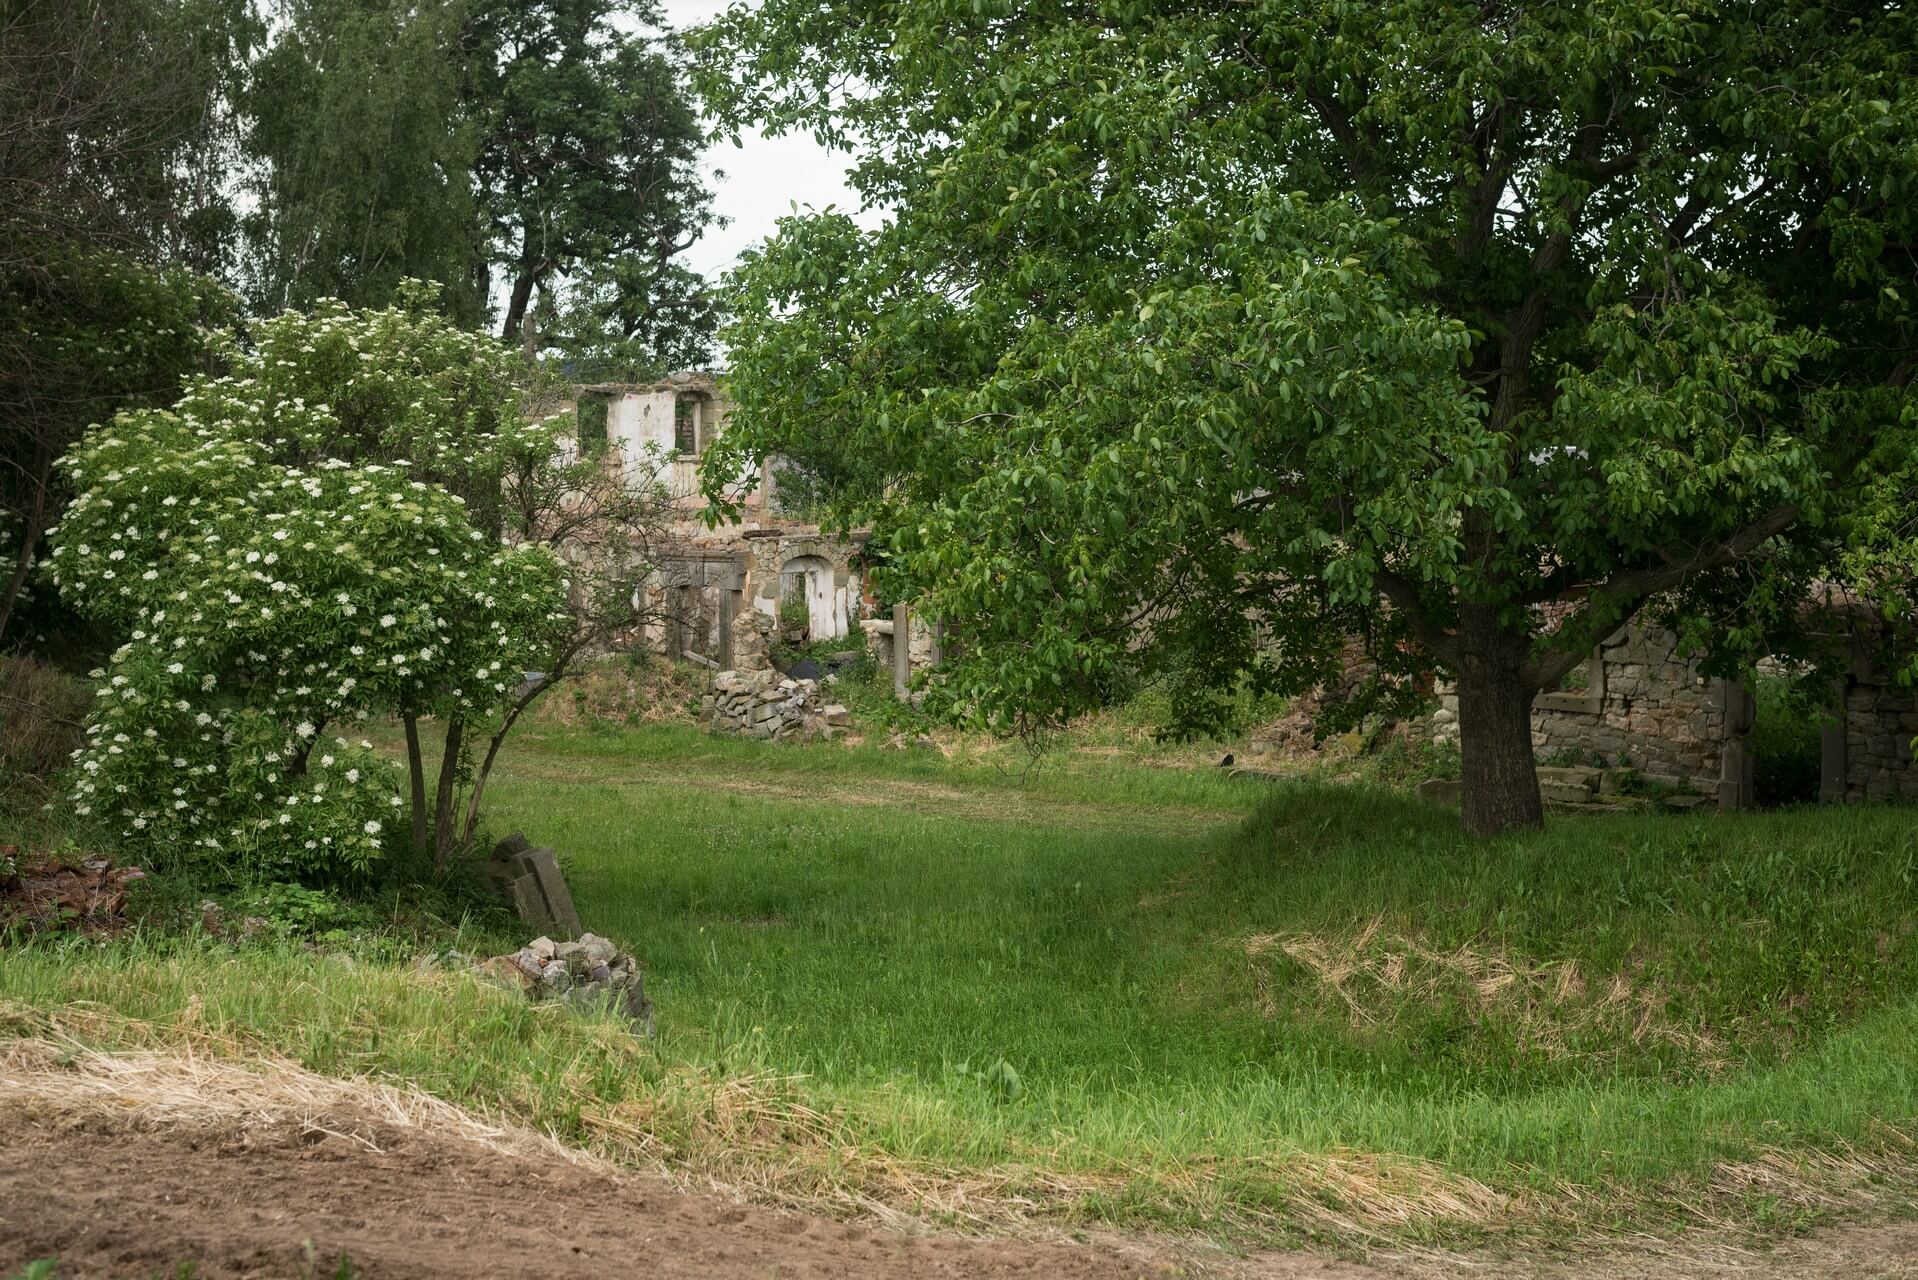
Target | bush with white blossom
(273,581)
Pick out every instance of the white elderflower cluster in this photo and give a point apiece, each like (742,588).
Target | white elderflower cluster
(265,597)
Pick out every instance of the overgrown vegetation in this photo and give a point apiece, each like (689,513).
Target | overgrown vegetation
(1785,741)
(1263,1010)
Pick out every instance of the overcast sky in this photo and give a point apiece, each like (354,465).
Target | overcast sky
(764,177)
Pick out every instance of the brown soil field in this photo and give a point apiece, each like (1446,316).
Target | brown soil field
(136,1165)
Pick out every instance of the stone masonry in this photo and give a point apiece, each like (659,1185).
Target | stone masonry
(753,700)
(1642,707)
(1645,707)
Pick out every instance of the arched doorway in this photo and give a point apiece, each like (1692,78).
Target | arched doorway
(809,579)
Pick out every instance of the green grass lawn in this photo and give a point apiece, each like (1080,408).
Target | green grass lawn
(1095,991)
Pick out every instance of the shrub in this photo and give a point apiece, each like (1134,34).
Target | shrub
(267,590)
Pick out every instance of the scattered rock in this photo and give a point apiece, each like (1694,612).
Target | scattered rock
(762,704)
(588,970)
(1440,790)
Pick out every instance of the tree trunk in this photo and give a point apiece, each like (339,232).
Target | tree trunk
(445,831)
(416,778)
(516,305)
(1499,789)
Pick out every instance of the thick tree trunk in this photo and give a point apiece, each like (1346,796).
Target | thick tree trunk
(516,304)
(1500,781)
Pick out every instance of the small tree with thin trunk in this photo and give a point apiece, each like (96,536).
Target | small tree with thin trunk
(1203,336)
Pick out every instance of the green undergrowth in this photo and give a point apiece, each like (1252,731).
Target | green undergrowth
(1142,996)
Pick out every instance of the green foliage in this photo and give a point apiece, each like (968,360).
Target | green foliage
(1786,739)
(83,334)
(269,580)
(588,170)
(1289,323)
(363,158)
(546,145)
(591,415)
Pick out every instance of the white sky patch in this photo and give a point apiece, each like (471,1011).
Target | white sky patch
(764,177)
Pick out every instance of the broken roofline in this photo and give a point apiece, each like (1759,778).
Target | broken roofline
(685,380)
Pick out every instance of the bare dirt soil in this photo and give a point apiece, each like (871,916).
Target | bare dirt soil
(142,1163)
(108,1200)
(108,1196)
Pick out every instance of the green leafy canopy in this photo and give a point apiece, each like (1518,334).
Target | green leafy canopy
(1204,336)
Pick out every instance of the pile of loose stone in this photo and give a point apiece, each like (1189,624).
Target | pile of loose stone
(590,970)
(765,704)
(754,700)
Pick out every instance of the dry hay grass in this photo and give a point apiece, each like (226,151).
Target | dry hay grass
(42,711)
(618,691)
(63,1079)
(1552,1006)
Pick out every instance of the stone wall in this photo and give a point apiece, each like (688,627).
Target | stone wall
(1870,749)
(1645,707)
(1642,707)
(922,646)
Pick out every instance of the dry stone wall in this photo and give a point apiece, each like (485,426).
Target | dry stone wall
(1646,707)
(1643,707)
(1880,723)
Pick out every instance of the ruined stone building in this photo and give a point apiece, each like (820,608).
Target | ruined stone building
(810,585)
(1638,702)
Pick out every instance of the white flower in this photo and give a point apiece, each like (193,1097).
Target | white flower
(352,775)
(304,728)
(326,762)
(175,668)
(387,619)
(372,827)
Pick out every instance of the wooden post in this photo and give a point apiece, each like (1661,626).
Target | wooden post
(938,641)
(901,651)
(675,621)
(730,592)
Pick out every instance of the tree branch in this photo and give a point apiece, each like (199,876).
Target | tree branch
(1403,595)
(1610,604)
